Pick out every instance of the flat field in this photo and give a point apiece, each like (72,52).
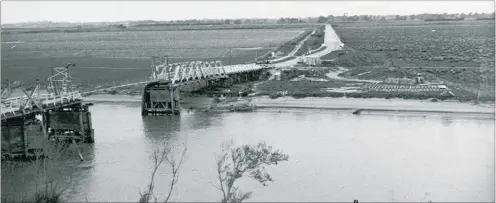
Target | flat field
(445,44)
(459,53)
(107,57)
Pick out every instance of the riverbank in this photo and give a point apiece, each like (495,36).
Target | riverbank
(400,105)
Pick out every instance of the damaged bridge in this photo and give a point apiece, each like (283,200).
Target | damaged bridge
(162,94)
(63,115)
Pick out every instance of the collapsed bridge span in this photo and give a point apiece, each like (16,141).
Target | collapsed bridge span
(162,94)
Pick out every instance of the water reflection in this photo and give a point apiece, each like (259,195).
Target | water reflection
(23,179)
(332,155)
(199,120)
(161,129)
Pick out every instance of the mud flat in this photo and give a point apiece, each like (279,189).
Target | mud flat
(375,105)
(369,104)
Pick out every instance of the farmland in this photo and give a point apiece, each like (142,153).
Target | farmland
(125,56)
(461,43)
(451,52)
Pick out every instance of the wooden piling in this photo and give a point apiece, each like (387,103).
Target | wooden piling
(24,133)
(81,124)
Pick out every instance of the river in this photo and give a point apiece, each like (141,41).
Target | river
(333,156)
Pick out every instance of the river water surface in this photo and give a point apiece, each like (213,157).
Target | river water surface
(333,156)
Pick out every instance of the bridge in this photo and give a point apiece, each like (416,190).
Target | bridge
(162,94)
(65,116)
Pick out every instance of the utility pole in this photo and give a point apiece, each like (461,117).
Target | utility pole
(256,54)
(230,56)
(167,68)
(154,67)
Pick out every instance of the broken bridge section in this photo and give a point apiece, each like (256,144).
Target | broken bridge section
(162,94)
(64,116)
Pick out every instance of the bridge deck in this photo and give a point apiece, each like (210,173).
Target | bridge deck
(182,74)
(14,107)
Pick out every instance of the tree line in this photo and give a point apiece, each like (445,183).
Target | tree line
(329,19)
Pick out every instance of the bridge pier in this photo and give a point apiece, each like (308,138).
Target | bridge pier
(70,123)
(160,98)
(21,137)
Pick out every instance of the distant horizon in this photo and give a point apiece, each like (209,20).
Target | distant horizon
(18,12)
(48,21)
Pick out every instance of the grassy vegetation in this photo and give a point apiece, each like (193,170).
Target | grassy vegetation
(290,45)
(435,49)
(306,88)
(91,71)
(161,27)
(302,89)
(460,43)
(126,56)
(314,42)
(350,58)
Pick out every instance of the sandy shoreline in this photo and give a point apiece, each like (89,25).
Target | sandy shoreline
(338,104)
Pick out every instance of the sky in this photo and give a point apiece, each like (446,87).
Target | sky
(108,11)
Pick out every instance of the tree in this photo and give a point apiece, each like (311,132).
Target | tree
(366,18)
(354,18)
(237,22)
(235,162)
(281,21)
(412,17)
(159,156)
(321,19)
(227,21)
(330,18)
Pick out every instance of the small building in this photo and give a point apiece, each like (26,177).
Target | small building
(311,61)
(277,75)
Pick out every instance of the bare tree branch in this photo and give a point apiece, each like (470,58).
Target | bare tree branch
(166,155)
(244,159)
(175,171)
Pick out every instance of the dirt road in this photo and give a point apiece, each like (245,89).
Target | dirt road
(331,41)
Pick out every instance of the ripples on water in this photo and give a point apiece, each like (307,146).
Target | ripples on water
(333,155)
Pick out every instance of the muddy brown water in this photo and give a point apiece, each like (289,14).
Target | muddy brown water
(333,156)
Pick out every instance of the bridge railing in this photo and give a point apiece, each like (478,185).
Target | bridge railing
(14,104)
(198,72)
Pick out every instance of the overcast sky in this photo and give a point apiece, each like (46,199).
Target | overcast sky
(100,11)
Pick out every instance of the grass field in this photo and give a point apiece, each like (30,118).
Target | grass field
(314,42)
(153,27)
(125,55)
(460,43)
(451,52)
